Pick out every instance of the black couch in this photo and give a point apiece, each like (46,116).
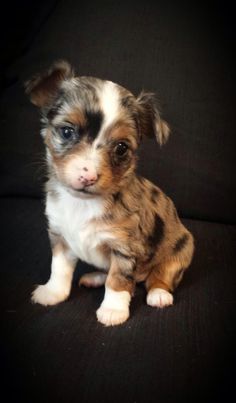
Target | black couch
(183,353)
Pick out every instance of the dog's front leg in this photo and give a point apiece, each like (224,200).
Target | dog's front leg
(58,287)
(119,288)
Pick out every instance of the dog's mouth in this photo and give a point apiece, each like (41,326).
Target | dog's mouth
(83,192)
(86,191)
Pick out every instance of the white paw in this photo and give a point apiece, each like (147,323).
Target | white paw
(95,279)
(159,298)
(46,295)
(112,317)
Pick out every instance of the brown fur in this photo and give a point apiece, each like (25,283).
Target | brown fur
(42,88)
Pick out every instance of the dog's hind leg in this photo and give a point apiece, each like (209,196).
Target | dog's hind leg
(160,284)
(166,276)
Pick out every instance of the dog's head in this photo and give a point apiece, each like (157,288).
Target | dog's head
(92,128)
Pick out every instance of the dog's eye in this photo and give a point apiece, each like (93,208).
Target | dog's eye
(67,132)
(121,148)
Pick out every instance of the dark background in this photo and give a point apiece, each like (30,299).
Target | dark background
(185,52)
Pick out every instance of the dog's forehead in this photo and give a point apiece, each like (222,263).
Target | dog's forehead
(89,94)
(110,102)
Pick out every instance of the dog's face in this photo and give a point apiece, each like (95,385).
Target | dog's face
(92,129)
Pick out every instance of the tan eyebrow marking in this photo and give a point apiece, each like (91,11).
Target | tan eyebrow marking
(76,117)
(122,131)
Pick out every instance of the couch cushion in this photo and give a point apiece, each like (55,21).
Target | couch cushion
(140,45)
(182,353)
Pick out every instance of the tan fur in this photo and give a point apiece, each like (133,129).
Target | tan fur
(121,130)
(76,117)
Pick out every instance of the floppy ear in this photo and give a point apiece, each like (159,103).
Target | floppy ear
(150,120)
(42,88)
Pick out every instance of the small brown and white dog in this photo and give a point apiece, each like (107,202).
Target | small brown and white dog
(98,209)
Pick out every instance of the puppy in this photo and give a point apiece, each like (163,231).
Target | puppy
(98,209)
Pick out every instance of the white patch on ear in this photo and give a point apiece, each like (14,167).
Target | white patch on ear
(114,309)
(109,98)
(159,298)
(95,279)
(57,289)
(163,131)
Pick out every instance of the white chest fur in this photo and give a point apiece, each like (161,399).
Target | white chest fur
(72,218)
